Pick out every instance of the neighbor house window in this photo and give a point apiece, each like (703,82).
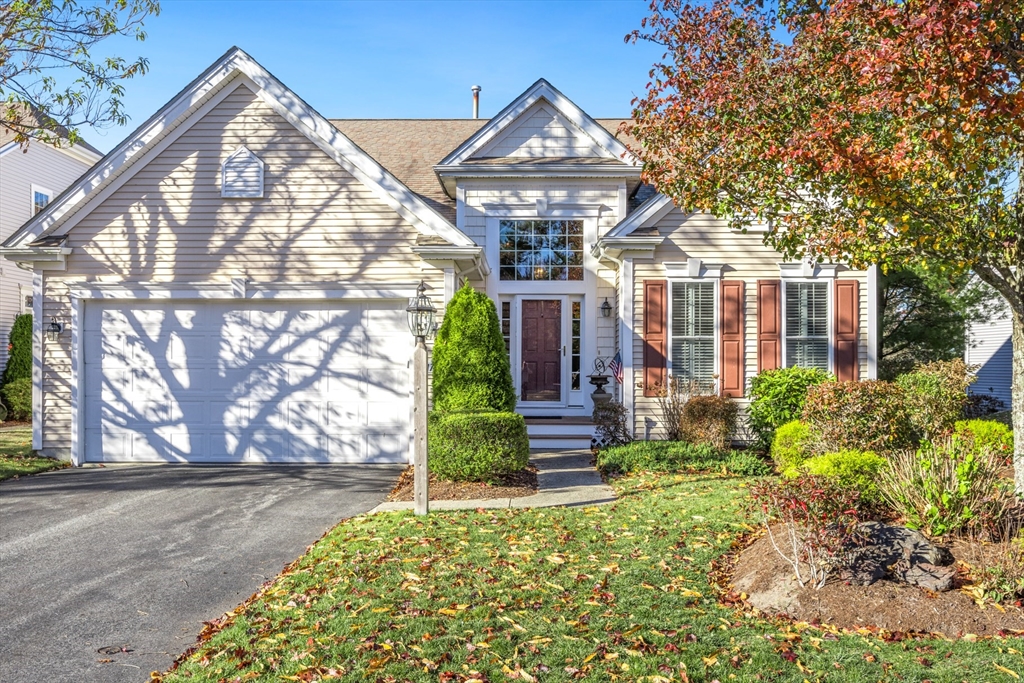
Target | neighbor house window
(692,330)
(807,324)
(40,199)
(541,250)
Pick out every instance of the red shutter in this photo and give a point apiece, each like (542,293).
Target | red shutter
(847,325)
(655,335)
(732,368)
(769,325)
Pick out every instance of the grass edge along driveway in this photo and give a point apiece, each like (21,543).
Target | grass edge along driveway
(16,459)
(619,592)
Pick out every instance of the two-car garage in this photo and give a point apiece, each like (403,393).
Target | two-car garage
(229,380)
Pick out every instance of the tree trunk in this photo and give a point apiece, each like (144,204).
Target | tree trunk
(1017,399)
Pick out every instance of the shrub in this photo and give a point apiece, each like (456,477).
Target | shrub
(678,456)
(868,416)
(672,400)
(849,469)
(710,420)
(612,422)
(471,366)
(818,521)
(988,434)
(946,486)
(19,362)
(17,396)
(777,397)
(935,395)
(791,445)
(477,446)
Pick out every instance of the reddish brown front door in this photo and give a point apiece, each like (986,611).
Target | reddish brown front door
(541,378)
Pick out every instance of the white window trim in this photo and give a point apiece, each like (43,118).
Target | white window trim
(829,303)
(706,274)
(32,198)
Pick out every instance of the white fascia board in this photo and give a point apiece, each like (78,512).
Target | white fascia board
(651,211)
(286,103)
(47,258)
(449,174)
(228,290)
(536,92)
(79,153)
(9,147)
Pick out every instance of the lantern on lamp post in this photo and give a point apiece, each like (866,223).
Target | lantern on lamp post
(421,323)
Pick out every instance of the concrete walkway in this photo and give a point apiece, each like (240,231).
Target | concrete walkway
(564,478)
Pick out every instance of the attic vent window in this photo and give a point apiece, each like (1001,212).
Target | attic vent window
(242,175)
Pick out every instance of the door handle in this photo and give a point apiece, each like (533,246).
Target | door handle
(563,349)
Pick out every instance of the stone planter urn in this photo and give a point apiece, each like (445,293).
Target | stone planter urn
(599,394)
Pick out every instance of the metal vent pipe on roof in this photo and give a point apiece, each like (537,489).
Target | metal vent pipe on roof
(476,101)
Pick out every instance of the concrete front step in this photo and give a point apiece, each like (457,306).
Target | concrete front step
(560,441)
(559,434)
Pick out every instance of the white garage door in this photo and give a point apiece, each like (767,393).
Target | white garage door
(231,382)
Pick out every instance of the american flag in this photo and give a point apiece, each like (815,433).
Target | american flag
(616,367)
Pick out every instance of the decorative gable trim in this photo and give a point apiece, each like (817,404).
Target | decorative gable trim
(241,175)
(541,90)
(176,117)
(492,148)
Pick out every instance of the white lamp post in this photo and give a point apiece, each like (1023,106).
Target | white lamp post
(421,323)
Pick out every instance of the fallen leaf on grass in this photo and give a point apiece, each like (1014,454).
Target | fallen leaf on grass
(1006,671)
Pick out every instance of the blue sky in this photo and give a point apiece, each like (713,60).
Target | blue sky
(396,59)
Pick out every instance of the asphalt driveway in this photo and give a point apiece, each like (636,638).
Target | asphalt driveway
(138,557)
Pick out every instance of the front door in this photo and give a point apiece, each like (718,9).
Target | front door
(541,366)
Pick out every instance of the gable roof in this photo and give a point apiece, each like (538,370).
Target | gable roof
(538,92)
(409,148)
(173,118)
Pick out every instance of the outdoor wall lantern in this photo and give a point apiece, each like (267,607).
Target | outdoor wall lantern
(606,309)
(54,329)
(421,323)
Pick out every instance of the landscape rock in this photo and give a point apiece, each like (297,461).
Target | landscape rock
(929,576)
(863,573)
(888,544)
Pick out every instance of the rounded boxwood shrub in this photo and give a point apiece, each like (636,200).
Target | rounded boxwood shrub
(867,416)
(19,360)
(477,446)
(987,434)
(791,445)
(850,469)
(470,365)
(18,398)
(709,420)
(777,397)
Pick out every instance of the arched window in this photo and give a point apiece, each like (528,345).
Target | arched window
(241,175)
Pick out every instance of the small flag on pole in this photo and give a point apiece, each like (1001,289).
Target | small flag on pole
(616,367)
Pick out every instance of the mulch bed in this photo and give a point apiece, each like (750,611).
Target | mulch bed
(767,580)
(515,485)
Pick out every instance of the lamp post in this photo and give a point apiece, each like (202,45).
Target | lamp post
(421,323)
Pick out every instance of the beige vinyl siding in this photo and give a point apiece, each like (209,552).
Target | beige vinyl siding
(169,224)
(40,165)
(746,258)
(540,132)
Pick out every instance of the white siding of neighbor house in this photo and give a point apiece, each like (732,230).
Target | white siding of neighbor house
(989,346)
(40,165)
(170,224)
(542,132)
(745,258)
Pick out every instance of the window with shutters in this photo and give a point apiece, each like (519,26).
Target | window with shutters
(692,331)
(806,324)
(242,175)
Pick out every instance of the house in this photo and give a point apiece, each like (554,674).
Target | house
(232,278)
(989,347)
(30,178)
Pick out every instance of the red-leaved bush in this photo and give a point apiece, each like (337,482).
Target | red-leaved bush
(866,416)
(811,522)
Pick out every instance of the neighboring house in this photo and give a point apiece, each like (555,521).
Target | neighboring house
(29,180)
(233,278)
(989,346)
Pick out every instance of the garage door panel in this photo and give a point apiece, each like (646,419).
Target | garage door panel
(271,382)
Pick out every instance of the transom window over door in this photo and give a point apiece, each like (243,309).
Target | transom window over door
(540,250)
(807,324)
(693,331)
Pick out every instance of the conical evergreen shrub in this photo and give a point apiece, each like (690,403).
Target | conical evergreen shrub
(471,368)
(19,360)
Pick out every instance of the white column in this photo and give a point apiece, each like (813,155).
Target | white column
(419,420)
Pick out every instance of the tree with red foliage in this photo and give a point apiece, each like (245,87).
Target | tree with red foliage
(885,132)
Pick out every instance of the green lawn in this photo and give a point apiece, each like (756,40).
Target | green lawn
(612,593)
(16,457)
